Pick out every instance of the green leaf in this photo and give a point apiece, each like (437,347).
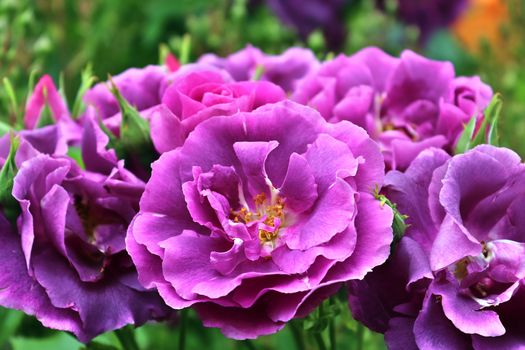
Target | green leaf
(62,87)
(185,49)
(31,83)
(76,154)
(464,142)
(399,225)
(259,71)
(164,51)
(492,114)
(59,341)
(7,175)
(113,141)
(126,336)
(86,81)
(493,136)
(320,318)
(46,116)
(10,91)
(134,130)
(99,346)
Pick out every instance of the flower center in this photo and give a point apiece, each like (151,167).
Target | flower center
(84,214)
(269,215)
(408,130)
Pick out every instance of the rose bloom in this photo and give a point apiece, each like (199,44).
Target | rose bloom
(65,260)
(259,216)
(456,279)
(407,104)
(199,93)
(284,69)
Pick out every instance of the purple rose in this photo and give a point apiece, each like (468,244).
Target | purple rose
(407,104)
(66,261)
(284,69)
(141,87)
(199,95)
(456,279)
(259,216)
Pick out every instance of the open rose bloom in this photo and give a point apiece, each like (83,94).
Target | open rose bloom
(199,93)
(65,260)
(407,104)
(260,216)
(456,279)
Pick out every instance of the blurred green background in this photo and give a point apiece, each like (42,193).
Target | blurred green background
(60,37)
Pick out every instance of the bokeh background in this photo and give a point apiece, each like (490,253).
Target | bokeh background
(62,37)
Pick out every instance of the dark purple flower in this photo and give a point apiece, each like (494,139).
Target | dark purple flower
(407,104)
(66,261)
(456,279)
(429,15)
(307,16)
(259,216)
(283,70)
(194,97)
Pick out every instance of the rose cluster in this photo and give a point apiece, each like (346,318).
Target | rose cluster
(251,188)
(456,279)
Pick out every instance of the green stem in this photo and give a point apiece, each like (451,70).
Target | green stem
(331,330)
(360,336)
(127,339)
(320,341)
(249,344)
(182,329)
(297,335)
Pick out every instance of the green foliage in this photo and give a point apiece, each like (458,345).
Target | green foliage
(76,154)
(134,130)
(11,100)
(86,81)
(487,131)
(465,140)
(7,174)
(399,225)
(58,341)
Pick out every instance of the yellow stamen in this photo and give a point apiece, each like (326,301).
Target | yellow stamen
(271,212)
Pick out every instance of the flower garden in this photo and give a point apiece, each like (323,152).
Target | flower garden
(271,174)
